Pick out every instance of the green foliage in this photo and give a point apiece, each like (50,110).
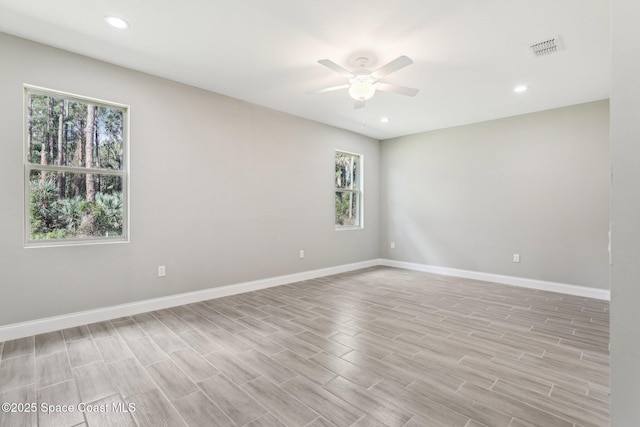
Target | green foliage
(346,208)
(43,209)
(347,170)
(342,206)
(346,178)
(70,212)
(107,212)
(68,218)
(64,138)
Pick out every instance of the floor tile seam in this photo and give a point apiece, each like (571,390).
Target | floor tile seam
(77,388)
(260,372)
(95,337)
(179,369)
(10,390)
(531,404)
(585,410)
(579,363)
(589,341)
(171,402)
(157,387)
(67,341)
(282,419)
(39,413)
(185,372)
(594,348)
(465,381)
(4,348)
(352,405)
(312,421)
(560,415)
(549,378)
(91,402)
(533,377)
(544,334)
(564,401)
(565,375)
(607,402)
(35,379)
(605,388)
(89,362)
(410,418)
(201,391)
(361,418)
(20,355)
(438,404)
(127,340)
(604,364)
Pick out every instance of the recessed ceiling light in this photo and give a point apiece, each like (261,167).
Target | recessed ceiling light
(116,22)
(520,89)
(385,120)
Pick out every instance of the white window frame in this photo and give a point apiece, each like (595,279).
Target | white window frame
(29,167)
(359,192)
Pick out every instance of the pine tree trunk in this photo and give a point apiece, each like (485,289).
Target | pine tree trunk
(30,130)
(52,127)
(61,150)
(90,137)
(79,183)
(96,155)
(351,186)
(44,150)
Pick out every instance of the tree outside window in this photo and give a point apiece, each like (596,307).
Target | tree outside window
(348,178)
(75,169)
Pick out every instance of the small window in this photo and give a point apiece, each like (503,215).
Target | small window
(348,190)
(75,169)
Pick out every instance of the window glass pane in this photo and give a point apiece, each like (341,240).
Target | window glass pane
(64,132)
(347,170)
(64,205)
(347,209)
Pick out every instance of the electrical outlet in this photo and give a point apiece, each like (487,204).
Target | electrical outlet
(162,271)
(393,245)
(516,257)
(301,253)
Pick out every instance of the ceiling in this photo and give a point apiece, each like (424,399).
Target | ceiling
(468,54)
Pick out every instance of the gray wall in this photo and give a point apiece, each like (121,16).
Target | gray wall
(222,192)
(470,197)
(625,213)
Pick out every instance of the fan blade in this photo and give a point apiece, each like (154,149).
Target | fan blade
(335,67)
(393,66)
(328,89)
(358,104)
(400,90)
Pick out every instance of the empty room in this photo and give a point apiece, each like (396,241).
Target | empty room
(296,213)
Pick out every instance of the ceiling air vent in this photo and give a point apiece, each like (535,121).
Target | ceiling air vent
(546,47)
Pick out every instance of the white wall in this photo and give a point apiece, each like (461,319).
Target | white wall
(625,213)
(222,192)
(470,197)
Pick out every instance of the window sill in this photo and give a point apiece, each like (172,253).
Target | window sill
(72,242)
(349,227)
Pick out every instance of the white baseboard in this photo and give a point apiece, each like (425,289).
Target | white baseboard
(49,324)
(602,294)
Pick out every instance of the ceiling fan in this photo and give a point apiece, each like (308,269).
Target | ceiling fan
(363,83)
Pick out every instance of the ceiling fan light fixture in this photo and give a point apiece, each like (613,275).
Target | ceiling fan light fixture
(362,83)
(362,90)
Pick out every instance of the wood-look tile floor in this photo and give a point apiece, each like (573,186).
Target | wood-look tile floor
(374,347)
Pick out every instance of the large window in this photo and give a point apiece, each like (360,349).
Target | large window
(75,169)
(348,190)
